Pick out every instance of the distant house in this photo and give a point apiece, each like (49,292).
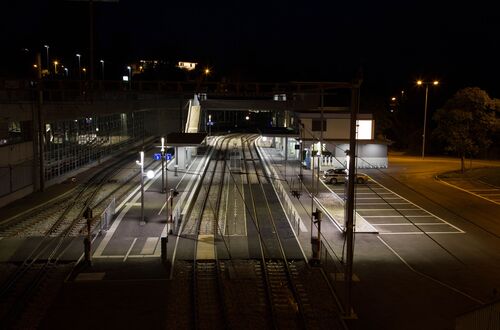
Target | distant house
(187,65)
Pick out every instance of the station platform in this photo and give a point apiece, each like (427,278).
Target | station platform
(324,199)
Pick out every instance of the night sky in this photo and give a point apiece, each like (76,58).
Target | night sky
(394,42)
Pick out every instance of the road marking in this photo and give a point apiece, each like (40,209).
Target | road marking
(381,203)
(150,245)
(130,249)
(397,216)
(391,209)
(109,234)
(411,224)
(108,257)
(467,191)
(454,227)
(385,198)
(420,232)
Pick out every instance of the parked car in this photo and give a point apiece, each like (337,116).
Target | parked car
(339,175)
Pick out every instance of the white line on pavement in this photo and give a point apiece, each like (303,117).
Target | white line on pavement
(130,249)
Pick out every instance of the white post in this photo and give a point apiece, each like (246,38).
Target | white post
(141,164)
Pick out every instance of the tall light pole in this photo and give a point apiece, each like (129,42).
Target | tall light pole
(162,164)
(79,66)
(150,175)
(102,69)
(55,66)
(426,83)
(141,164)
(129,76)
(209,125)
(47,57)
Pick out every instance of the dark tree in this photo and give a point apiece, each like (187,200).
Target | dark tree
(467,122)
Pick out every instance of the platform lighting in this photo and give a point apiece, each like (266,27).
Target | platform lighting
(150,175)
(420,83)
(162,150)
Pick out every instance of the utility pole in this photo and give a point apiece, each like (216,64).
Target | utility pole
(91,42)
(349,230)
(39,124)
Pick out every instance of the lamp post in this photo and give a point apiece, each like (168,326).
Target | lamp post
(419,83)
(55,66)
(102,69)
(47,55)
(209,125)
(129,76)
(162,165)
(150,175)
(79,65)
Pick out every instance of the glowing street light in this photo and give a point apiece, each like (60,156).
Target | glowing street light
(162,150)
(129,77)
(102,69)
(79,64)
(426,83)
(55,66)
(47,53)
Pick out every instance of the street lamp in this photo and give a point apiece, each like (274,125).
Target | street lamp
(426,83)
(163,165)
(129,76)
(102,69)
(209,125)
(79,64)
(150,175)
(55,66)
(47,53)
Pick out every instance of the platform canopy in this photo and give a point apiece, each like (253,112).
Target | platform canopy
(185,139)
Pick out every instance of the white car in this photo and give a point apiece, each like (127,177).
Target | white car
(339,175)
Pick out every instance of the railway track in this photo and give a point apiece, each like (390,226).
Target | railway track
(53,218)
(267,289)
(42,269)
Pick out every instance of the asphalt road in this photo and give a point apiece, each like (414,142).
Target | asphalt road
(423,278)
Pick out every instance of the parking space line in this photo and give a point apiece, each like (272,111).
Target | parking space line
(411,224)
(130,249)
(392,209)
(455,227)
(398,216)
(421,233)
(468,191)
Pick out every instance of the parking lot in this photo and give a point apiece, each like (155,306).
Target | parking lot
(392,214)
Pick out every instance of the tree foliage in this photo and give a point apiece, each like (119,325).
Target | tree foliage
(467,122)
